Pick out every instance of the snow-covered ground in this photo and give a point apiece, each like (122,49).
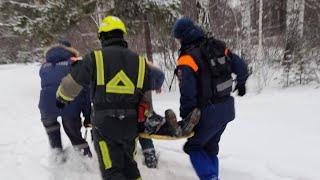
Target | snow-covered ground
(276,135)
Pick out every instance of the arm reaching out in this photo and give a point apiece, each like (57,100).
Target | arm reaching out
(71,85)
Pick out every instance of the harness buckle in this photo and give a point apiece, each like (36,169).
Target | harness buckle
(120,114)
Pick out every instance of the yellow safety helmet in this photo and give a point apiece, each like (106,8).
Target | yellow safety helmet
(111,23)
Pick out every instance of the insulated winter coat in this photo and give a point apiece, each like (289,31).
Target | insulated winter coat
(119,79)
(57,66)
(187,70)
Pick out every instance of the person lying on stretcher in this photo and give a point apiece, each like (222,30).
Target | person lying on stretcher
(152,123)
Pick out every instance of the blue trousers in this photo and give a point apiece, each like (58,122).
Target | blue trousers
(204,158)
(203,147)
(71,127)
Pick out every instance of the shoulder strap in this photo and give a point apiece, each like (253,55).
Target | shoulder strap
(141,73)
(99,67)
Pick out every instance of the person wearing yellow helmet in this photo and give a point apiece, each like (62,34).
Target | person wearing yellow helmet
(119,82)
(111,29)
(111,23)
(121,85)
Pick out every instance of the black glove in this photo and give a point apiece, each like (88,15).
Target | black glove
(60,104)
(241,88)
(87,122)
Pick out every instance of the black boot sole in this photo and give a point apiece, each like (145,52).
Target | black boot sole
(191,121)
(171,120)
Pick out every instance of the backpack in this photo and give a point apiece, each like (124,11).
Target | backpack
(214,55)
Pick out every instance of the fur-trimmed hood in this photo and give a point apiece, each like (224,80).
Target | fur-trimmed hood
(58,53)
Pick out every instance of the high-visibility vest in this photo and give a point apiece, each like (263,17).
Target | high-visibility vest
(119,79)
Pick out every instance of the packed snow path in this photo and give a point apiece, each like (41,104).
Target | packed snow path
(276,135)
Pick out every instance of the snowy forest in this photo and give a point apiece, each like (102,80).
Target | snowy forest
(266,129)
(279,38)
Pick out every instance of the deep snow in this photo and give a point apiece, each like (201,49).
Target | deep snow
(275,136)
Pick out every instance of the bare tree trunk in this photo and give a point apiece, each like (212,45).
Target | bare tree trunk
(246,45)
(301,18)
(294,32)
(188,9)
(204,16)
(260,26)
(101,9)
(260,54)
(147,38)
(301,49)
(238,45)
(40,2)
(288,54)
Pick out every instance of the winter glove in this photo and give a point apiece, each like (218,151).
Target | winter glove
(241,88)
(87,122)
(184,112)
(60,103)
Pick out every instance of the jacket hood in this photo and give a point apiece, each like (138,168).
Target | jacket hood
(60,53)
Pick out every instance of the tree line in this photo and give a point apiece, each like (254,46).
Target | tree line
(278,38)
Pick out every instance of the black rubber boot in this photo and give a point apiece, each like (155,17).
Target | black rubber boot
(87,152)
(172,123)
(190,122)
(57,156)
(55,139)
(83,149)
(153,123)
(52,127)
(150,158)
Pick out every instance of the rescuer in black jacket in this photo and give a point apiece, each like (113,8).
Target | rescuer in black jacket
(119,83)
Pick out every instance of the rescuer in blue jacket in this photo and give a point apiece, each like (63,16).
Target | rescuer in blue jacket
(199,89)
(57,65)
